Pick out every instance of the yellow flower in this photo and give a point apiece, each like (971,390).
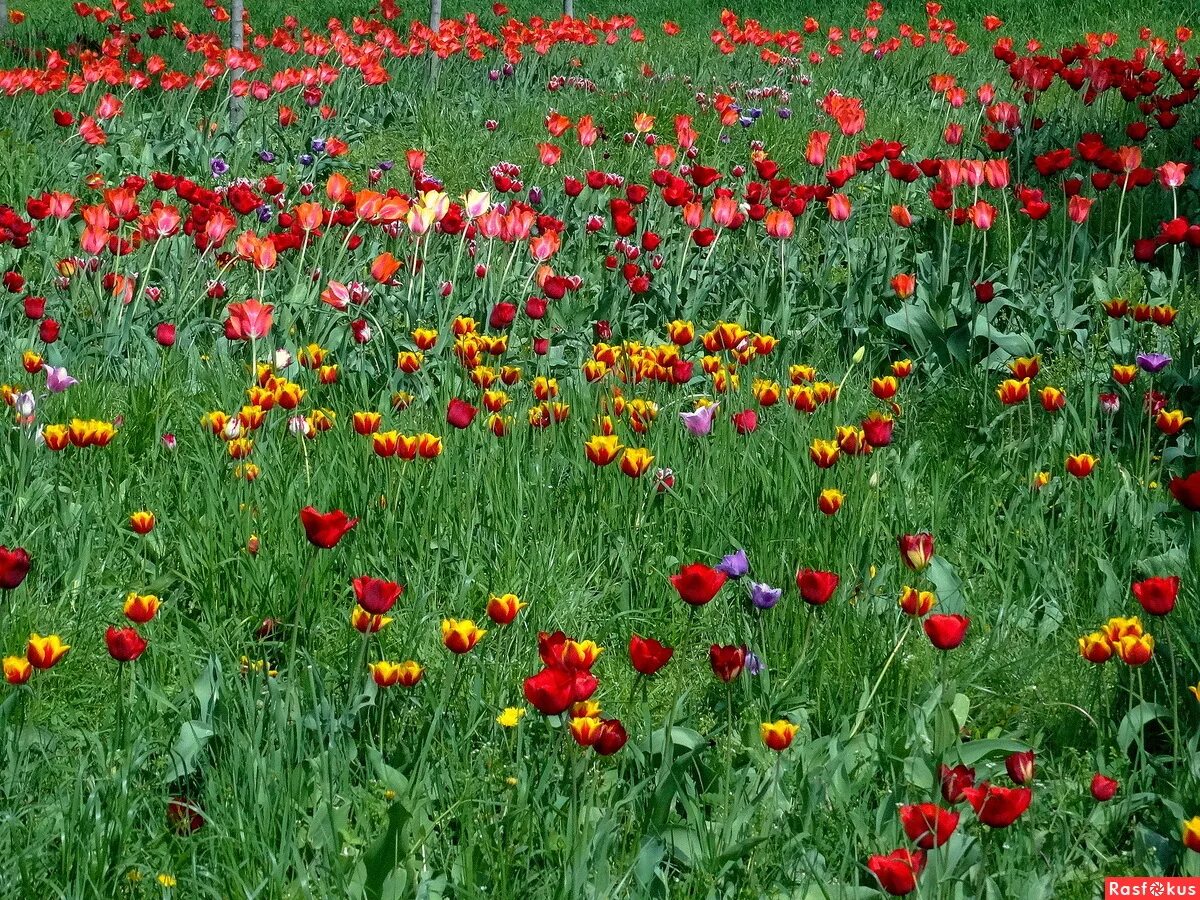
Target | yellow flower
(511,716)
(167,881)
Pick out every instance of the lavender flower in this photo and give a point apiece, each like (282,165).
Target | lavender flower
(266,156)
(318,145)
(1153,362)
(57,379)
(735,564)
(25,404)
(754,665)
(699,422)
(785,112)
(218,167)
(763,596)
(306,159)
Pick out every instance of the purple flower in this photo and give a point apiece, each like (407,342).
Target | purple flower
(785,112)
(266,156)
(386,165)
(763,596)
(306,159)
(57,379)
(754,665)
(535,196)
(264,214)
(699,422)
(218,166)
(318,145)
(1153,362)
(735,565)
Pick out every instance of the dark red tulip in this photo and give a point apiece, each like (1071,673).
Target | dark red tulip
(745,421)
(460,413)
(954,782)
(1186,491)
(1157,595)
(14,566)
(697,584)
(551,647)
(184,816)
(502,315)
(916,549)
(35,307)
(48,331)
(648,655)
(551,691)
(124,644)
(897,872)
(1104,788)
(611,738)
(998,807)
(375,595)
(946,631)
(1020,766)
(324,530)
(727,661)
(816,587)
(928,825)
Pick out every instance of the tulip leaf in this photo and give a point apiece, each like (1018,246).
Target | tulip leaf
(1135,721)
(973,751)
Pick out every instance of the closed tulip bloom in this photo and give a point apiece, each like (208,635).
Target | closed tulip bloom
(916,550)
(917,603)
(1171,421)
(778,736)
(142,522)
(1157,595)
(1053,399)
(503,609)
(124,644)
(44,652)
(585,730)
(1135,650)
(1186,492)
(1095,648)
(897,873)
(1104,788)
(830,501)
(998,807)
(877,427)
(387,674)
(1020,766)
(1081,465)
(928,825)
(1191,834)
(460,413)
(955,781)
(763,596)
(368,623)
(140,608)
(824,453)
(612,737)
(648,655)
(1120,626)
(580,654)
(816,586)
(946,632)
(376,595)
(1013,391)
(697,583)
(460,635)
(727,661)
(324,530)
(14,566)
(885,388)
(17,669)
(551,691)
(1124,374)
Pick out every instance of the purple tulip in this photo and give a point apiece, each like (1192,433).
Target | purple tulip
(735,565)
(763,596)
(218,166)
(699,422)
(57,379)
(1153,362)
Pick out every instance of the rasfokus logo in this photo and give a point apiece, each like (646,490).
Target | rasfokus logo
(1141,886)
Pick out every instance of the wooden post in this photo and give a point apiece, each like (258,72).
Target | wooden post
(237,34)
(569,8)
(435,24)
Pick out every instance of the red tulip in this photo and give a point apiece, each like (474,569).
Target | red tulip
(184,816)
(124,644)
(551,691)
(946,631)
(745,421)
(611,737)
(324,530)
(998,807)
(14,566)
(916,549)
(727,661)
(1186,491)
(897,872)
(816,587)
(164,334)
(375,595)
(648,655)
(954,782)
(460,413)
(1020,766)
(697,584)
(1104,788)
(1157,595)
(928,825)
(249,320)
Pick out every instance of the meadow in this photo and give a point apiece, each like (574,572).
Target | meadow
(671,452)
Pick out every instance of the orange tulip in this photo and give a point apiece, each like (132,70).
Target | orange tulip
(460,635)
(44,652)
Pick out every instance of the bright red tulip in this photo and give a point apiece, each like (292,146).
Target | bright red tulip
(1157,595)
(648,655)
(124,644)
(248,320)
(954,782)
(1020,766)
(324,530)
(697,584)
(1104,788)
(375,595)
(727,661)
(14,566)
(927,824)
(946,631)
(816,587)
(897,872)
(460,413)
(998,807)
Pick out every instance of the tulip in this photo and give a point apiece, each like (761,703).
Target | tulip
(745,422)
(928,825)
(250,320)
(1052,399)
(830,501)
(1104,788)
(585,729)
(57,379)
(648,655)
(697,584)
(140,608)
(1020,766)
(460,635)
(700,421)
(44,652)
(601,450)
(503,609)
(1081,465)
(727,662)
(1157,595)
(635,461)
(324,530)
(387,674)
(946,632)
(375,595)
(1186,492)
(460,413)
(551,690)
(897,872)
(612,737)
(735,565)
(1135,650)
(1095,648)
(954,782)
(14,566)
(124,644)
(141,522)
(778,736)
(916,550)
(763,596)
(1191,834)
(17,669)
(998,807)
(816,586)
(917,603)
